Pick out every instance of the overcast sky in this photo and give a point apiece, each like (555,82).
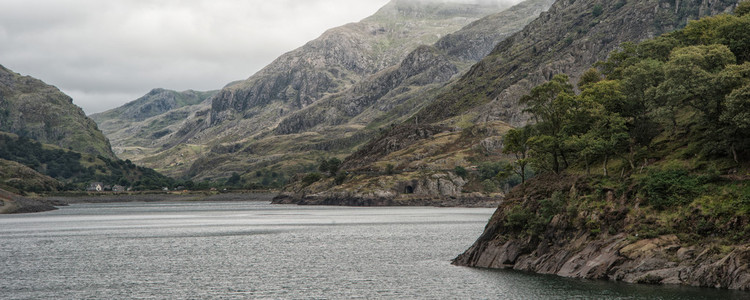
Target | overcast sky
(104,53)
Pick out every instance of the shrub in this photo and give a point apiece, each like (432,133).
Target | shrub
(742,9)
(461,171)
(670,188)
(597,10)
(311,178)
(518,217)
(340,178)
(489,186)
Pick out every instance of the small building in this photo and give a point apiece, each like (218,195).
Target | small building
(118,188)
(95,187)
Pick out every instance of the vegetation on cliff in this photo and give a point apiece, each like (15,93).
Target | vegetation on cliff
(665,122)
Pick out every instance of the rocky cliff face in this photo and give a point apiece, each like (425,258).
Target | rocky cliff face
(31,108)
(345,55)
(390,95)
(411,165)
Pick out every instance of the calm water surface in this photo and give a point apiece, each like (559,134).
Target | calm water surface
(200,250)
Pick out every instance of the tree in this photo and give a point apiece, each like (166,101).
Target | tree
(743,8)
(234,179)
(516,141)
(737,115)
(549,105)
(330,166)
(591,75)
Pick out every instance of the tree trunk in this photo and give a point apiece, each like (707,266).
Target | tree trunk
(555,163)
(588,165)
(606,172)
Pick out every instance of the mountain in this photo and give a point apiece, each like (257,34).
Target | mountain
(568,38)
(36,110)
(664,203)
(253,125)
(138,125)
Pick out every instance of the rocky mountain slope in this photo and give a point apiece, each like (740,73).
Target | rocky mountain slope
(34,109)
(252,123)
(335,125)
(138,126)
(569,37)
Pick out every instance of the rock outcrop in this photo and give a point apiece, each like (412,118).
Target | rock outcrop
(13,204)
(662,260)
(437,189)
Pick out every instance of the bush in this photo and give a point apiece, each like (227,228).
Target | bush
(340,178)
(330,166)
(311,178)
(389,169)
(670,188)
(597,11)
(461,171)
(489,186)
(518,217)
(742,9)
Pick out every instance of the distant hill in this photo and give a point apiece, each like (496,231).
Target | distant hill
(36,110)
(48,144)
(138,126)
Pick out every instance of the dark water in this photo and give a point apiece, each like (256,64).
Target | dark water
(243,250)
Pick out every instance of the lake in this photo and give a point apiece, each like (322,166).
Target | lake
(239,250)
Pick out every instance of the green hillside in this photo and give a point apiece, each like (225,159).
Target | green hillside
(33,109)
(50,168)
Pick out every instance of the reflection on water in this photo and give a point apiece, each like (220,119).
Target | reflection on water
(257,250)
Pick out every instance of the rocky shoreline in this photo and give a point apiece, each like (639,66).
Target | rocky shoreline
(14,204)
(661,260)
(386,200)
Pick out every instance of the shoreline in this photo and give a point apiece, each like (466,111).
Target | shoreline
(157,197)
